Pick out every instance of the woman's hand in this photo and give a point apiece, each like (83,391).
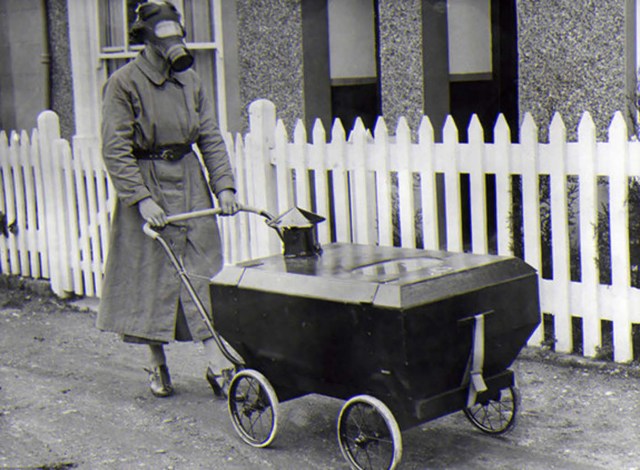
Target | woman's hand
(227,201)
(152,212)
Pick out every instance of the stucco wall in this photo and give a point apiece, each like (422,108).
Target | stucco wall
(6,82)
(270,56)
(401,73)
(22,72)
(571,60)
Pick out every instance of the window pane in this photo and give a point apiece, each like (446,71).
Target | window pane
(198,21)
(205,65)
(113,31)
(111,28)
(469,36)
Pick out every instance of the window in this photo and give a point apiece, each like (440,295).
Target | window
(202,21)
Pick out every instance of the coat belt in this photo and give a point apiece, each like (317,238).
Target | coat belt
(171,152)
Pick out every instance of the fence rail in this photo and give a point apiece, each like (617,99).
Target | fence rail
(567,208)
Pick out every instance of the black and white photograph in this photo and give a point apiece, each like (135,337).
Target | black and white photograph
(320,234)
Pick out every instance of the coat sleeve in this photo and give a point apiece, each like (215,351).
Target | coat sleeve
(212,145)
(117,143)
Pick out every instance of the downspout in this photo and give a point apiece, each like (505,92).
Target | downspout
(46,57)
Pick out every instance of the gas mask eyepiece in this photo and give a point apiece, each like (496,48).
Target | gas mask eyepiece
(159,25)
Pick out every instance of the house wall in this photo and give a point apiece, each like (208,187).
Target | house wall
(22,71)
(401,66)
(270,56)
(61,81)
(6,81)
(575,57)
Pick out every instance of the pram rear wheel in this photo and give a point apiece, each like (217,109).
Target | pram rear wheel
(368,434)
(253,408)
(495,414)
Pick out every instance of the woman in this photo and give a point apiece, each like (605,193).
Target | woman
(154,109)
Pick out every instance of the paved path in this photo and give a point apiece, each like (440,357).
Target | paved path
(72,397)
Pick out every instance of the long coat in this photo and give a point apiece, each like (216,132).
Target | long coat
(146,108)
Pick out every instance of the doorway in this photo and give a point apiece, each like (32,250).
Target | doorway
(353,61)
(490,88)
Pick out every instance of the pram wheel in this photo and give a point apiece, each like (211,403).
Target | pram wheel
(253,408)
(368,434)
(495,414)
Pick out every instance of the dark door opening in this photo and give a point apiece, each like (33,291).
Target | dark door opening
(498,93)
(355,87)
(349,102)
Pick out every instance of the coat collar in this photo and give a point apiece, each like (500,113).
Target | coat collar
(153,73)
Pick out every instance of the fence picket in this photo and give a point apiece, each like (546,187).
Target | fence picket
(20,225)
(240,243)
(70,229)
(4,245)
(229,225)
(49,126)
(79,168)
(478,190)
(43,244)
(337,163)
(10,206)
(384,200)
(530,205)
(406,205)
(301,167)
(96,209)
(16,151)
(561,252)
(262,119)
(30,206)
(106,201)
(429,198)
(502,147)
(284,185)
(588,236)
(318,158)
(363,228)
(451,149)
(619,223)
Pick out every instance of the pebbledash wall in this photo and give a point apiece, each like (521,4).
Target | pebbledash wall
(270,56)
(573,57)
(401,68)
(576,57)
(61,81)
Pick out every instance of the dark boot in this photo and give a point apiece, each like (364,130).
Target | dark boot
(160,381)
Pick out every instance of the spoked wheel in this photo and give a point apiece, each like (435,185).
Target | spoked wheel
(368,434)
(253,407)
(495,414)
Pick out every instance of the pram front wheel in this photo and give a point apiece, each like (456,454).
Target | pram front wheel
(495,414)
(368,434)
(253,408)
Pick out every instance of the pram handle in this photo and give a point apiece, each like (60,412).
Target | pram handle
(178,266)
(146,228)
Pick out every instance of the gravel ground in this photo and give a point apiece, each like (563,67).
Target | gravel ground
(72,397)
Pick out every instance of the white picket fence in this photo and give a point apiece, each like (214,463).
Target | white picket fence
(58,204)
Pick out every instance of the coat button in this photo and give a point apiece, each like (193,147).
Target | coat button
(183,229)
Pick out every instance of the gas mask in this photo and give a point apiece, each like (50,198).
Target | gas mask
(159,25)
